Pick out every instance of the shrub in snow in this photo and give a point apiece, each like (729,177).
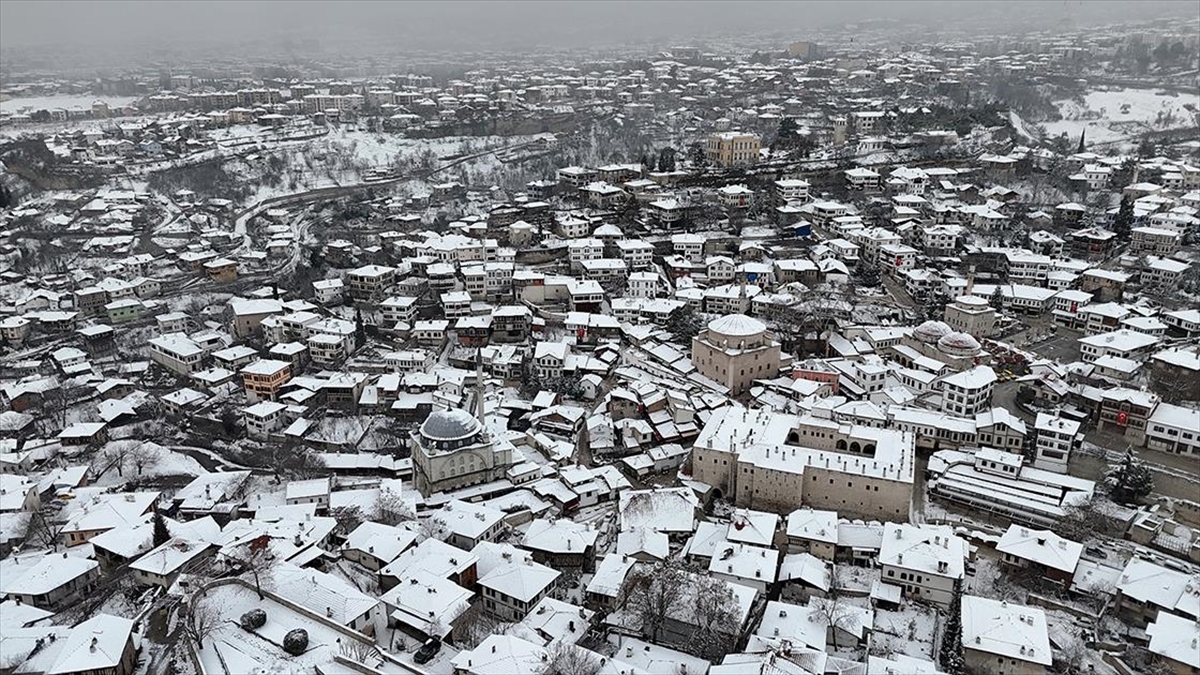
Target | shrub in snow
(253,619)
(296,641)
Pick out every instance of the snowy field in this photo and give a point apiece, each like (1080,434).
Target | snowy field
(68,101)
(381,149)
(1112,115)
(344,156)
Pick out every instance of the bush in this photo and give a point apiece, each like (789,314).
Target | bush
(253,619)
(296,641)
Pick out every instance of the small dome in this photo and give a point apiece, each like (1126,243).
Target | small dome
(959,344)
(737,325)
(449,425)
(971,301)
(932,331)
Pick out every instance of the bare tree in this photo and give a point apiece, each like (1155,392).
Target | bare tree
(475,626)
(56,402)
(201,620)
(434,627)
(564,658)
(834,614)
(348,517)
(112,457)
(257,559)
(1142,660)
(833,610)
(715,616)
(359,652)
(432,528)
(144,455)
(651,593)
(41,529)
(1100,594)
(1088,519)
(390,507)
(1070,656)
(292,460)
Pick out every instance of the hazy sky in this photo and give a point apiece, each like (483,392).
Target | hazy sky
(117,23)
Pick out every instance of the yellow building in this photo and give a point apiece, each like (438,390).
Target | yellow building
(733,148)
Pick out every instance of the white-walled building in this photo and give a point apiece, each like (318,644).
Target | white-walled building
(1056,438)
(926,561)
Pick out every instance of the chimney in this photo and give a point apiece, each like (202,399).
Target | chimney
(95,641)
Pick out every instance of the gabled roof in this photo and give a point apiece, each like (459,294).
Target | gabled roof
(94,645)
(43,575)
(322,593)
(1005,629)
(1041,546)
(558,536)
(522,581)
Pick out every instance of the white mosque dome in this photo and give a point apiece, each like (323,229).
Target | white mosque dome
(971,301)
(449,425)
(932,331)
(737,326)
(959,344)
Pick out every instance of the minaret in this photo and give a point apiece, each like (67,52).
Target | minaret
(743,307)
(479,386)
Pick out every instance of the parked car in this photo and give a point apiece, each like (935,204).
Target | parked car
(427,651)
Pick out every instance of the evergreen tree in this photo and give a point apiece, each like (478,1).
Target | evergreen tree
(1129,481)
(786,137)
(1123,222)
(950,655)
(684,324)
(161,533)
(666,159)
(868,276)
(1082,146)
(805,144)
(360,329)
(935,308)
